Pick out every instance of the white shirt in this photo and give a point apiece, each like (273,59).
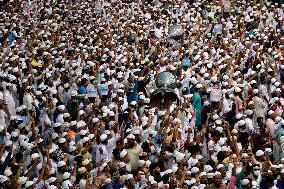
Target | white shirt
(1,95)
(101,156)
(111,145)
(60,119)
(82,184)
(3,117)
(28,100)
(270,125)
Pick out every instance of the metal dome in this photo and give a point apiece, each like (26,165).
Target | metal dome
(166,80)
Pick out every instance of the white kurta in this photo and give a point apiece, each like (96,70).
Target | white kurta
(3,117)
(28,100)
(8,97)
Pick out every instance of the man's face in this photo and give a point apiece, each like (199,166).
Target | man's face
(274,171)
(157,170)
(282,177)
(218,179)
(223,171)
(203,179)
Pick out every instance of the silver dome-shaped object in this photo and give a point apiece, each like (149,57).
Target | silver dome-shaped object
(166,80)
(175,31)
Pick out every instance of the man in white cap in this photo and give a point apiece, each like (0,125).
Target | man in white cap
(9,99)
(101,151)
(133,150)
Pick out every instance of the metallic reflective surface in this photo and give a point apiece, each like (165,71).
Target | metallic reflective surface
(166,80)
(175,30)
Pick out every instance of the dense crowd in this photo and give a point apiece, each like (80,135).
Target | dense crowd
(75,94)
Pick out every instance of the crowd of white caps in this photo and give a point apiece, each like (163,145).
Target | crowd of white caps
(75,109)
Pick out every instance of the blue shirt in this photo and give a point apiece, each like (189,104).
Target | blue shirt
(82,90)
(25,119)
(279,132)
(186,61)
(279,184)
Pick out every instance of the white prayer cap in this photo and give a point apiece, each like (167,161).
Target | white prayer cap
(128,176)
(207,168)
(210,175)
(51,180)
(248,112)
(131,136)
(141,163)
(199,85)
(206,103)
(278,90)
(65,115)
(194,170)
(56,125)
(268,150)
(250,103)
(133,103)
(136,132)
(245,182)
(270,112)
(111,113)
(62,140)
(34,156)
(215,117)
(255,91)
(273,80)
(74,93)
(219,166)
(29,183)
(38,93)
(66,175)
(121,164)
(107,132)
(217,173)
(259,153)
(224,149)
(241,122)
(91,136)
(61,164)
(83,132)
(239,116)
(85,139)
(123,153)
(234,131)
(61,107)
(18,109)
(142,97)
(238,90)
(103,137)
(103,166)
(22,180)
(72,148)
(206,75)
(214,79)
(81,112)
(95,120)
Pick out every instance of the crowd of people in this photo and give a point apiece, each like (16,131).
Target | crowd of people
(75,94)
